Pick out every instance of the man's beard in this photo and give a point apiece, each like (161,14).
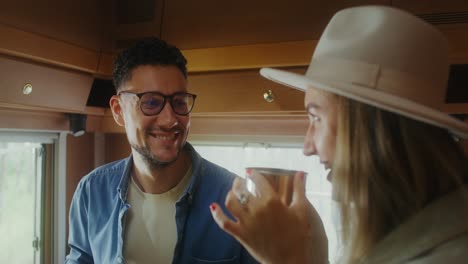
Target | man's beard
(151,161)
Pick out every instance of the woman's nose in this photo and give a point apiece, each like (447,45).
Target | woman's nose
(309,145)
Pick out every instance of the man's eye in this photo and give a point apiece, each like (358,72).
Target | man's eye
(179,102)
(152,103)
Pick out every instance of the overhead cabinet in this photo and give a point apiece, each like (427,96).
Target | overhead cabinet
(25,84)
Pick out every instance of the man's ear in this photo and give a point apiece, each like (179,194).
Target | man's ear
(116,109)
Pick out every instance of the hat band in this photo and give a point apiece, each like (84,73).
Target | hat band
(425,91)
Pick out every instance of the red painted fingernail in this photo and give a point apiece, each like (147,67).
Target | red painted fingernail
(248,172)
(213,207)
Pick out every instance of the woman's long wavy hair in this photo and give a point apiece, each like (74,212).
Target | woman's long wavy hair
(388,167)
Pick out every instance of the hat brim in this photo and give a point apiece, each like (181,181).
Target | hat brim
(372,97)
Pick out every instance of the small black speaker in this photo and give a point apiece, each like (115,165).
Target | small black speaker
(77,124)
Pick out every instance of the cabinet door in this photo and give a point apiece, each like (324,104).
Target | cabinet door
(53,88)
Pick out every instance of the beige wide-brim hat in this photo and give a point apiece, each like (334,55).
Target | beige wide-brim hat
(384,57)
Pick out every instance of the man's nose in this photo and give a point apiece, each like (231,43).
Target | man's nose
(167,117)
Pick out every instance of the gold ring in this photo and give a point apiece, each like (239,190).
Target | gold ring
(243,199)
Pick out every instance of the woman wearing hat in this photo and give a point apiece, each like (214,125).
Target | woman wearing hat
(372,92)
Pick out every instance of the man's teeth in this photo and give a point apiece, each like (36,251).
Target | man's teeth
(165,137)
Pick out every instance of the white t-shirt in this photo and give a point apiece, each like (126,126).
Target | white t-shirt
(151,231)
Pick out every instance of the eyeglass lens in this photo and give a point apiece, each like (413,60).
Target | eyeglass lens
(152,103)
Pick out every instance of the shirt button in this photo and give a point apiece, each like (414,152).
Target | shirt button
(119,260)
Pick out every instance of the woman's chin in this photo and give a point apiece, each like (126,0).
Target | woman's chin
(334,194)
(329,176)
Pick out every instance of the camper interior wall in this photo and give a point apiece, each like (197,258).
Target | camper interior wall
(65,44)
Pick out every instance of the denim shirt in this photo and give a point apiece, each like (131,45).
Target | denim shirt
(99,206)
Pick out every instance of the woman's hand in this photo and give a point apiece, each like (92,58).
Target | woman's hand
(272,231)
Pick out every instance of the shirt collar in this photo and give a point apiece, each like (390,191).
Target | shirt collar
(196,172)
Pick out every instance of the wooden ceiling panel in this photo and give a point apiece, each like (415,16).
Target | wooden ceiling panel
(135,20)
(192,24)
(78,22)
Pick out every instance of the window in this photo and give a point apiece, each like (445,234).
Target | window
(237,158)
(26,197)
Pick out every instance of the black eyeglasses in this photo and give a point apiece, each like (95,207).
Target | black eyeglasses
(152,103)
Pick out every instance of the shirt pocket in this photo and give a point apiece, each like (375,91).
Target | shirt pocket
(233,260)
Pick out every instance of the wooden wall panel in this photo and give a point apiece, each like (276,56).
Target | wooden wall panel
(465,146)
(241,91)
(23,44)
(51,87)
(117,147)
(80,161)
(32,120)
(284,54)
(457,36)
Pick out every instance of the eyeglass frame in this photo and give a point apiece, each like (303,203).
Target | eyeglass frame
(166,98)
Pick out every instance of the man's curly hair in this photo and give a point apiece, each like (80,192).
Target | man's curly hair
(149,51)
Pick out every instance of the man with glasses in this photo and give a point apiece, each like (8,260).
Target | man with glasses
(152,207)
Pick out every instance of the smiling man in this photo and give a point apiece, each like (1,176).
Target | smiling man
(152,207)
